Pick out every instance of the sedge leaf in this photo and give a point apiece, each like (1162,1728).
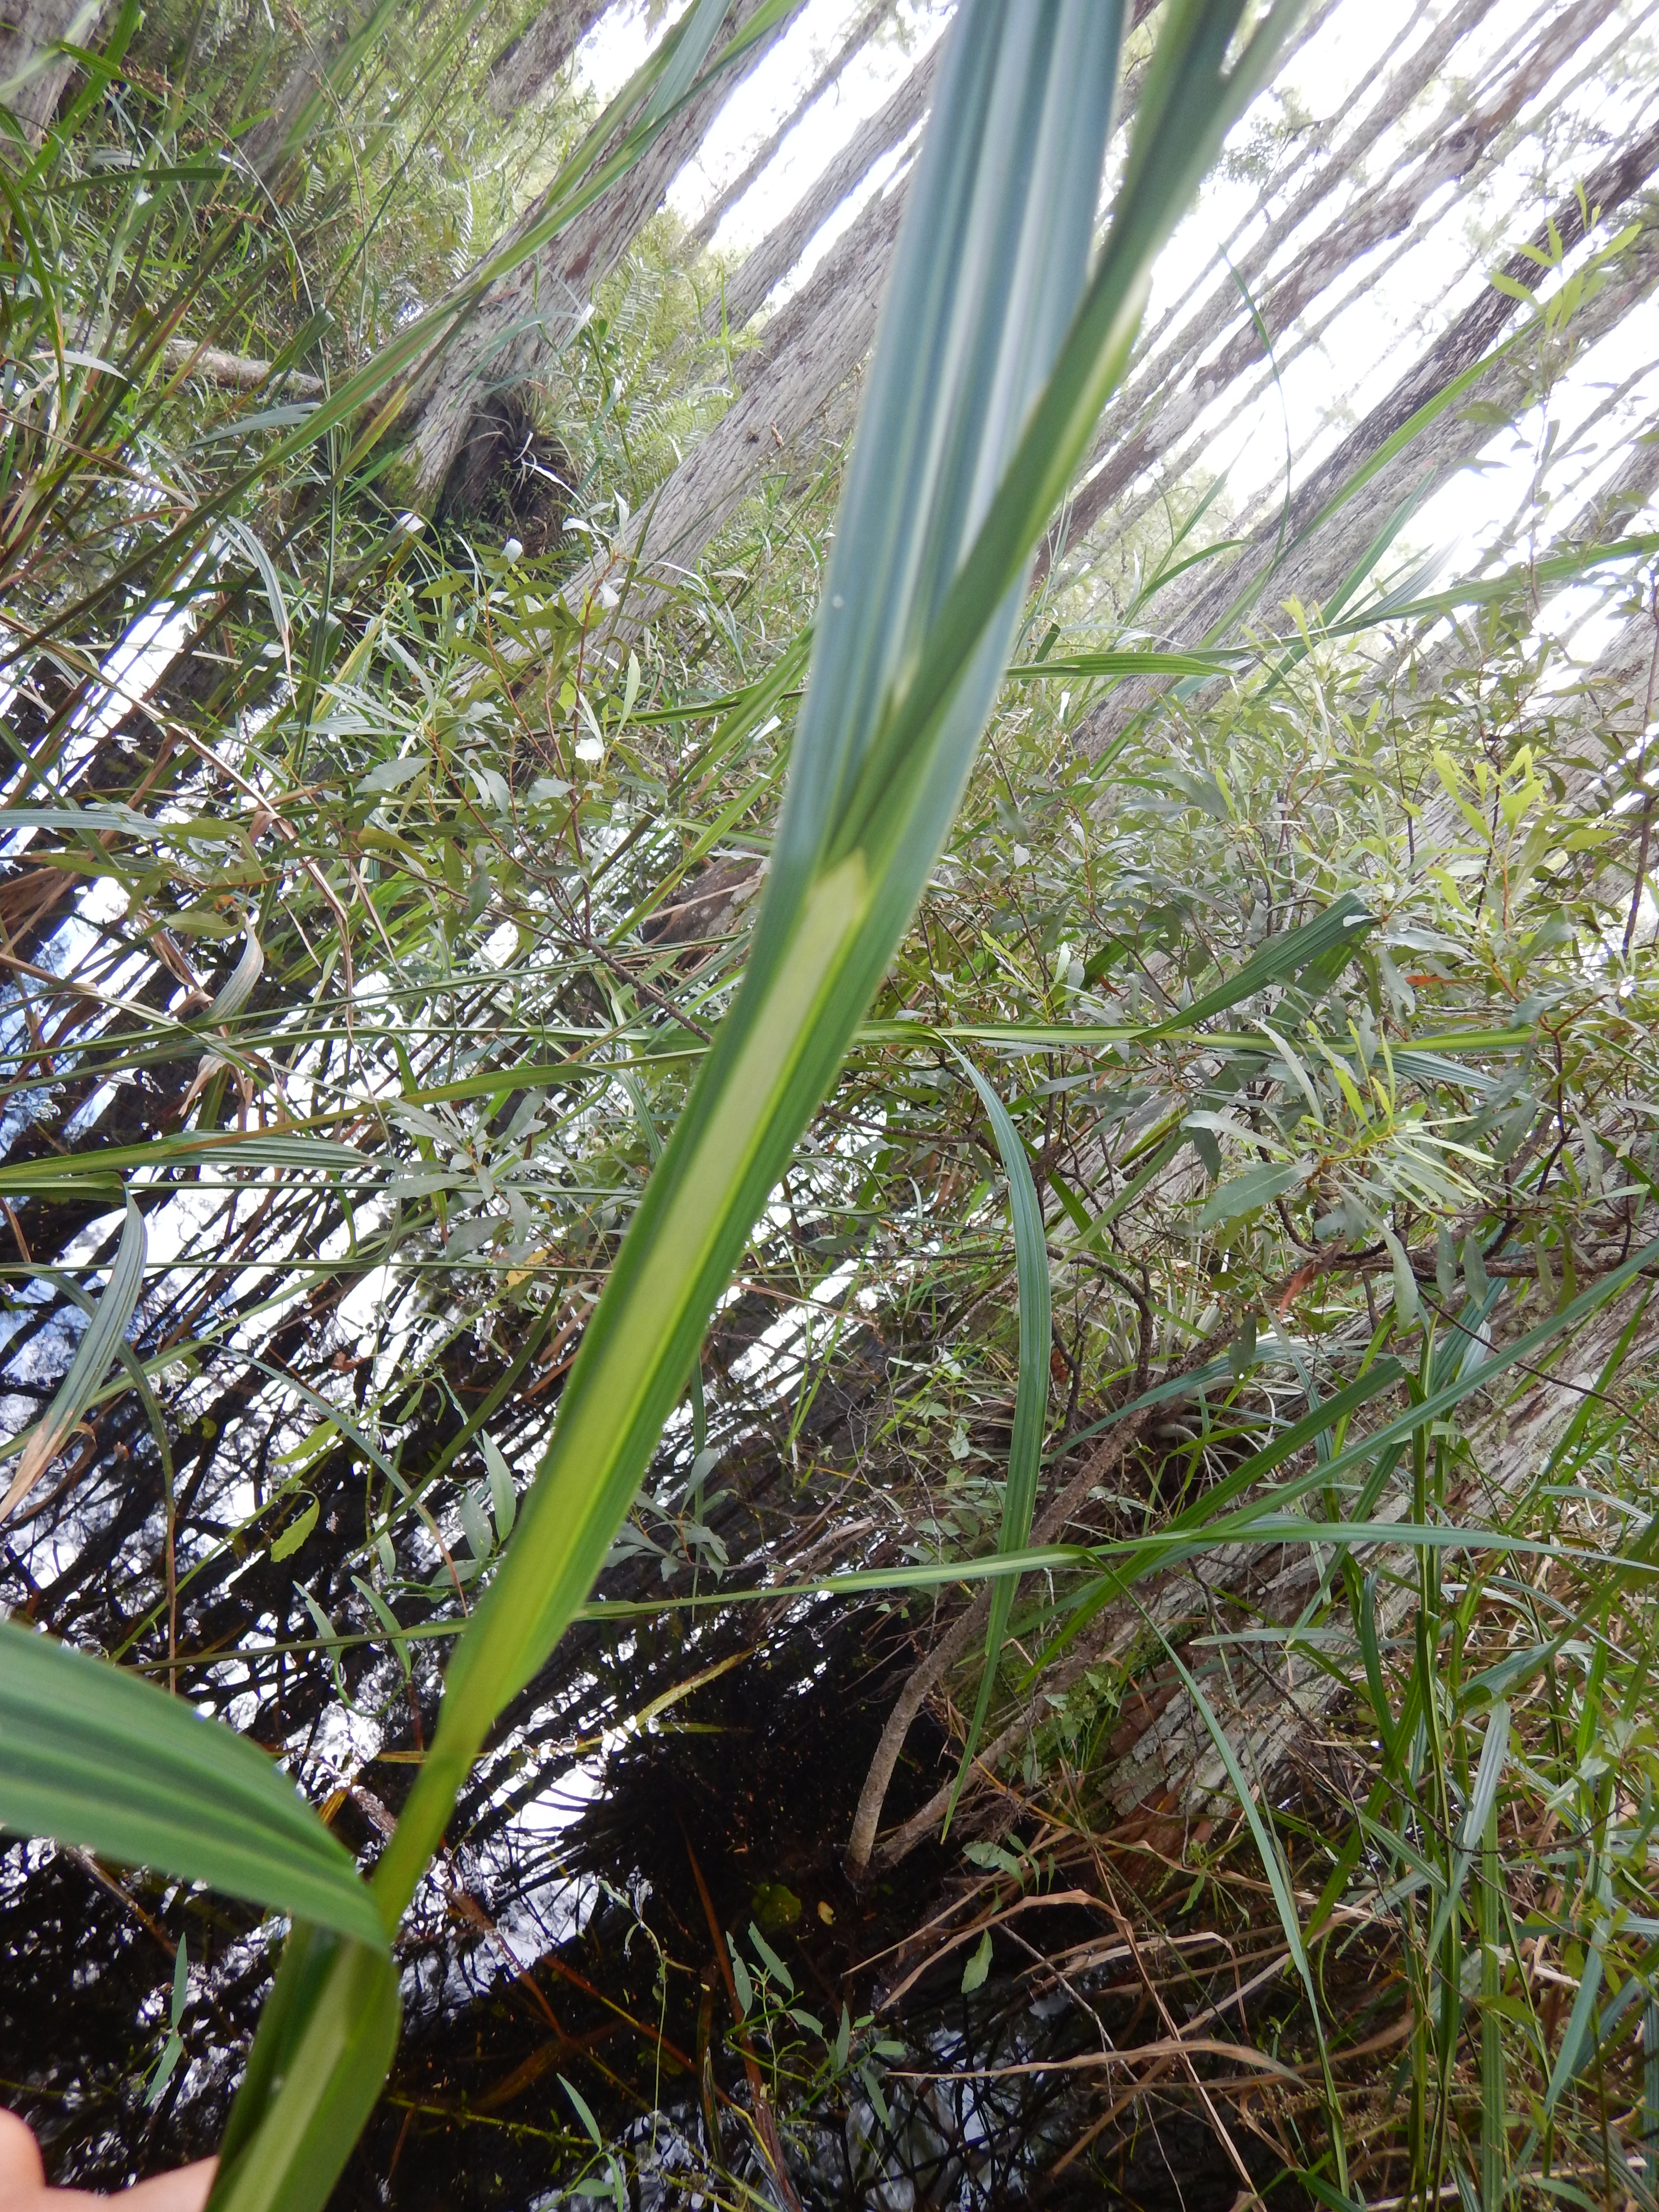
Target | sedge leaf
(1031,1393)
(95,1755)
(104,1333)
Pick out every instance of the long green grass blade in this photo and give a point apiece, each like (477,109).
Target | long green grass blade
(1578,2033)
(1494,2100)
(95,1755)
(987,379)
(1278,1881)
(253,1148)
(1471,1829)
(325,2039)
(1187,103)
(97,1347)
(989,266)
(1031,1397)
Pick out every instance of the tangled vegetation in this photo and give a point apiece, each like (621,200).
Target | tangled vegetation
(1235,1215)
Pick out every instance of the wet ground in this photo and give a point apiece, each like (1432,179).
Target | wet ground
(657,1940)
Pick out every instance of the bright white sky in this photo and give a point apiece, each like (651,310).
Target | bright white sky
(1390,313)
(619,42)
(1384,326)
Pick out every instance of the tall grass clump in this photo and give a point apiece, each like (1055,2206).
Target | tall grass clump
(998,347)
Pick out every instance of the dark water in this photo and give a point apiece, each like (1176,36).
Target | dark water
(570,1941)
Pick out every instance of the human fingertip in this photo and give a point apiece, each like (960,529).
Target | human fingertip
(185,2189)
(21,2166)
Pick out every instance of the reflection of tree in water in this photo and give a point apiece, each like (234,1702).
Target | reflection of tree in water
(570,1940)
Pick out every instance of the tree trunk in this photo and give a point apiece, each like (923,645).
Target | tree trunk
(534,310)
(1309,569)
(1625,493)
(1183,375)
(301,99)
(852,44)
(747,290)
(236,371)
(808,352)
(32,77)
(1166,1763)
(525,68)
(1163,1763)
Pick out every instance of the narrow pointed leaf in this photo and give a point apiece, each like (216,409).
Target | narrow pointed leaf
(1342,925)
(1031,1393)
(93,1355)
(992,358)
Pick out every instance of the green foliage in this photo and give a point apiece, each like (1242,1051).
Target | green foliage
(95,1756)
(363,952)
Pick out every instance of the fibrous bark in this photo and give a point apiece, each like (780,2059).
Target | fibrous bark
(32,77)
(528,63)
(779,251)
(534,310)
(1167,1762)
(1184,375)
(854,44)
(808,352)
(1162,1761)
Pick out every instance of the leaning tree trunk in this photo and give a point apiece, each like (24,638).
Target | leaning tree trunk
(854,44)
(32,77)
(1309,570)
(809,350)
(776,254)
(1218,349)
(302,99)
(1162,1763)
(1424,674)
(1165,1763)
(1507,385)
(534,310)
(528,63)
(1186,372)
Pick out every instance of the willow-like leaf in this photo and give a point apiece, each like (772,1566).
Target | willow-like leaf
(1335,933)
(1031,1395)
